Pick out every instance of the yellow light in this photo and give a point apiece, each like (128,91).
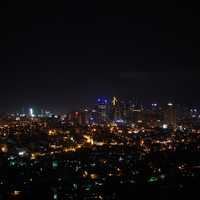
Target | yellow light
(93,176)
(52,132)
(85,174)
(4,148)
(111,129)
(33,156)
(99,143)
(141,142)
(16,193)
(69,150)
(114,101)
(88,139)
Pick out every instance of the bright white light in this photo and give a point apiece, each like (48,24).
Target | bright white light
(21,153)
(181,128)
(120,121)
(165,126)
(132,125)
(130,132)
(170,104)
(31,112)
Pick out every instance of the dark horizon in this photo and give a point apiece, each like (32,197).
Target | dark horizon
(65,55)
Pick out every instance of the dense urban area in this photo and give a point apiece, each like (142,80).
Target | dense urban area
(114,150)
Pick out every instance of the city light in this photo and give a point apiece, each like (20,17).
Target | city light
(98,144)
(31,112)
(165,126)
(99,101)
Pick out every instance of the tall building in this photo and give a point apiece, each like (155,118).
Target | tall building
(102,109)
(74,117)
(135,112)
(115,110)
(153,115)
(84,117)
(170,115)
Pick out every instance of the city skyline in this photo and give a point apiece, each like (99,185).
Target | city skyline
(99,100)
(25,109)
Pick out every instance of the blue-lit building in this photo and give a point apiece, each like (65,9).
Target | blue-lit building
(102,109)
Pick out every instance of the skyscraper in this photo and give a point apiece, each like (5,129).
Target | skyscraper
(102,110)
(170,115)
(84,117)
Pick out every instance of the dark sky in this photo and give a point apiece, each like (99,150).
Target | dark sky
(64,54)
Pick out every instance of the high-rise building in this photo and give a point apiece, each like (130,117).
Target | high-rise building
(102,108)
(153,115)
(84,117)
(135,112)
(170,115)
(115,113)
(74,117)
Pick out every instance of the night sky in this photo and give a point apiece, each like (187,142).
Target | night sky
(62,55)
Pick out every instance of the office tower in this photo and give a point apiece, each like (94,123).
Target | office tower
(102,108)
(116,110)
(84,117)
(170,115)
